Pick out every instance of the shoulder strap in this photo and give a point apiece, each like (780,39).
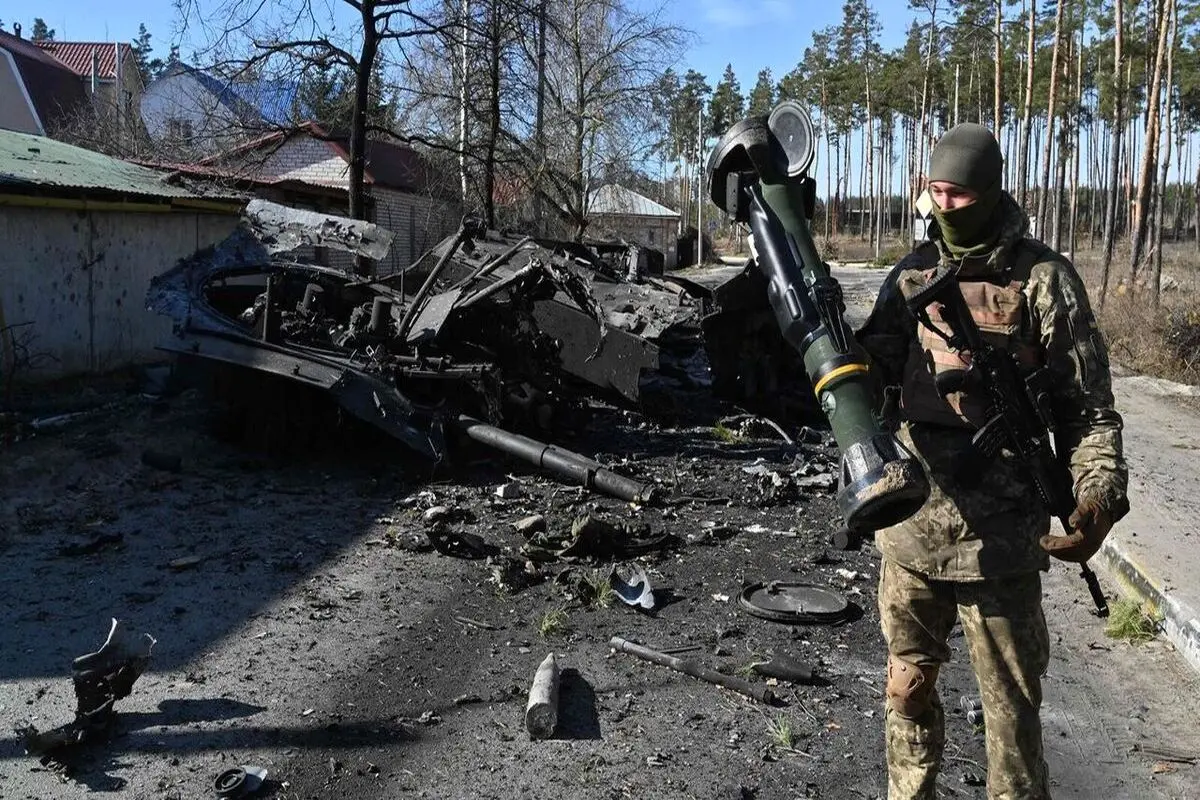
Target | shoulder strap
(1028,252)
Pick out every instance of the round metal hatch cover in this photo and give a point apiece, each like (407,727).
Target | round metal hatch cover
(794,603)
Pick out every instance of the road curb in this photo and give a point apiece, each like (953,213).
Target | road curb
(1181,622)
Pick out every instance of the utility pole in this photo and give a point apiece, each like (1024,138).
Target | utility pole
(699,185)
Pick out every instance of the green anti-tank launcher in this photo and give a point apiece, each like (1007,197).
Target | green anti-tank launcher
(758,173)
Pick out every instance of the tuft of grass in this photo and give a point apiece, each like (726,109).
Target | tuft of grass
(724,434)
(599,588)
(1130,621)
(780,732)
(553,622)
(747,670)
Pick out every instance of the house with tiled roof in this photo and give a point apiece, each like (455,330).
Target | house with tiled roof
(37,91)
(108,72)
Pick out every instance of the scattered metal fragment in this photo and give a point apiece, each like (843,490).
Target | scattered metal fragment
(508,491)
(794,603)
(435,514)
(240,781)
(712,533)
(474,623)
(527,526)
(749,425)
(973,709)
(846,539)
(634,591)
(513,574)
(762,694)
(786,668)
(100,679)
(673,651)
(460,544)
(825,481)
(541,712)
(593,536)
(1168,753)
(58,420)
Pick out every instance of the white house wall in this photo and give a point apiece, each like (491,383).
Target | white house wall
(16,109)
(79,280)
(182,97)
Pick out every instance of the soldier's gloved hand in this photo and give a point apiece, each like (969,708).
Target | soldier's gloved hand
(1090,524)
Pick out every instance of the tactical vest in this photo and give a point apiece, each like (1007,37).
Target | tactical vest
(998,305)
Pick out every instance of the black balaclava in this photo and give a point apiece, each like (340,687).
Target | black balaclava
(969,155)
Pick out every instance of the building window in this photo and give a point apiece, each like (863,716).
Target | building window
(650,236)
(179,130)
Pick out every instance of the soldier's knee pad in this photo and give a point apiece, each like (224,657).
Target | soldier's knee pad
(910,686)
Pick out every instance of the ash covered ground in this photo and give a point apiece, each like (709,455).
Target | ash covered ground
(305,622)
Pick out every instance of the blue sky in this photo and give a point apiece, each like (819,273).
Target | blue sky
(749,34)
(753,34)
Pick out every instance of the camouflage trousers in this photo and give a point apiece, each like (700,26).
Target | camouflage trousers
(1009,646)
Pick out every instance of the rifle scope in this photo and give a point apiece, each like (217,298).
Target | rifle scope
(758,173)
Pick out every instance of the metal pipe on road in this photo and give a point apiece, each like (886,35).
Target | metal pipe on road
(562,462)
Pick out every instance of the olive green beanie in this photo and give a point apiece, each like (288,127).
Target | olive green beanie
(968,155)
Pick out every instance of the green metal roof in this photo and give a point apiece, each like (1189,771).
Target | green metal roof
(35,164)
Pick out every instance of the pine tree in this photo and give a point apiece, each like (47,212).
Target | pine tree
(726,106)
(762,96)
(326,96)
(41,33)
(148,68)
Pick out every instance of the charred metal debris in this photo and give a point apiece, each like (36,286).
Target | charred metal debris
(100,679)
(501,338)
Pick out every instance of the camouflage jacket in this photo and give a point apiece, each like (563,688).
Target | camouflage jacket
(990,526)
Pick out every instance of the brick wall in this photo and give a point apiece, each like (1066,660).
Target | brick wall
(306,159)
(419,223)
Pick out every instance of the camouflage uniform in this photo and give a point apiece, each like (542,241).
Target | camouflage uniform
(972,550)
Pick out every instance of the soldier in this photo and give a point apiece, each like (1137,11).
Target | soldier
(975,550)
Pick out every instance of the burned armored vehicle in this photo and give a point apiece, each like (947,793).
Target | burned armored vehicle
(485,331)
(490,335)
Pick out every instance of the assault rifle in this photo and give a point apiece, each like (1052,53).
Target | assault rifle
(1021,418)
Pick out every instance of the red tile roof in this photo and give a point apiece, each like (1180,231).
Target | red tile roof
(78,56)
(55,90)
